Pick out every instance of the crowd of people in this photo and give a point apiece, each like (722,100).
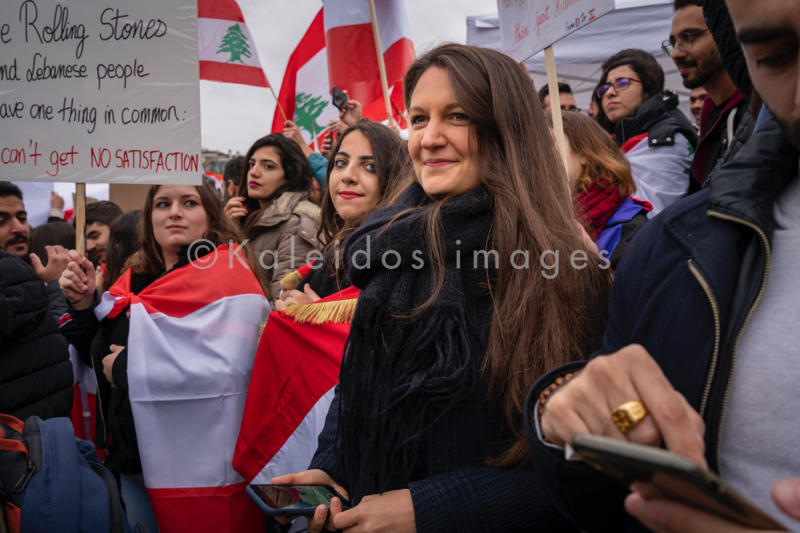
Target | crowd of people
(495,304)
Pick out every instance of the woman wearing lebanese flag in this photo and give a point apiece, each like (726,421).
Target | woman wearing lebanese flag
(177,339)
(297,365)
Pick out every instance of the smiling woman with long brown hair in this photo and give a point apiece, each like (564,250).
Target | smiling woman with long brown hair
(444,347)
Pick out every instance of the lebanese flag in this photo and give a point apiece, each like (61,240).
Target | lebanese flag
(191,346)
(227,49)
(296,370)
(305,92)
(352,60)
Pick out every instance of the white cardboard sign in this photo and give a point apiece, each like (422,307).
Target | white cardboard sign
(529,26)
(99,91)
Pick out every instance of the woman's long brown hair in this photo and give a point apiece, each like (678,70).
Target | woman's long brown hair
(221,230)
(538,323)
(603,156)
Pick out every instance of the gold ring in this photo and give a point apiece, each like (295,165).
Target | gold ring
(629,415)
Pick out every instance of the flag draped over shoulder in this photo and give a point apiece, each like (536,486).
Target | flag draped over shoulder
(227,50)
(191,346)
(296,370)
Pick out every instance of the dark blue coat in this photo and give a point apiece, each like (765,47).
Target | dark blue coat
(685,290)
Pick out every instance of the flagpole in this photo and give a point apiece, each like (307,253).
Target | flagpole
(279,103)
(80,218)
(381,65)
(555,107)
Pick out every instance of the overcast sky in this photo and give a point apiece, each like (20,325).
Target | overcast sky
(233,116)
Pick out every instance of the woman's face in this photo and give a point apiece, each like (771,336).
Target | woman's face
(576,164)
(266,173)
(178,216)
(438,141)
(353,184)
(619,105)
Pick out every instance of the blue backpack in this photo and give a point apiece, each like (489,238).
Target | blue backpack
(53,482)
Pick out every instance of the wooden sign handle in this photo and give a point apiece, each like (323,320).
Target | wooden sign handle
(80,218)
(555,109)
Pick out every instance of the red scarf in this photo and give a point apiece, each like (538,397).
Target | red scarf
(595,204)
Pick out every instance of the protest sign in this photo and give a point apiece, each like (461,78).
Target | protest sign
(99,91)
(529,26)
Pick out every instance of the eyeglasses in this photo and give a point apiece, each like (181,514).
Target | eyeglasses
(570,108)
(685,41)
(620,84)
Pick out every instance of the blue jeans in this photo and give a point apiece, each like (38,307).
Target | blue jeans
(137,504)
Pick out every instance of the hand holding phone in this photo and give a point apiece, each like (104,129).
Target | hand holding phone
(339,98)
(293,500)
(674,477)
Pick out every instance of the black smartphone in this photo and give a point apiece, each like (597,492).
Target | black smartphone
(676,477)
(293,500)
(338,98)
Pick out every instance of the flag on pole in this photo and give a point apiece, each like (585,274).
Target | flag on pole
(191,347)
(352,60)
(287,402)
(227,50)
(305,93)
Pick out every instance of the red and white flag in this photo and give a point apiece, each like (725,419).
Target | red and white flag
(305,92)
(191,347)
(227,50)
(352,60)
(296,370)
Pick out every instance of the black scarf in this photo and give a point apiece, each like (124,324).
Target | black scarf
(400,376)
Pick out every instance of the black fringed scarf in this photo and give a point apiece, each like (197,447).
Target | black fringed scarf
(400,376)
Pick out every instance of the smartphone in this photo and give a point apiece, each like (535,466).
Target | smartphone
(339,99)
(293,500)
(676,477)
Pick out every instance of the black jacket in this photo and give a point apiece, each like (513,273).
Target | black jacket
(35,371)
(685,290)
(658,121)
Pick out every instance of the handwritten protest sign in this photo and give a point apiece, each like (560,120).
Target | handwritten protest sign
(99,91)
(529,26)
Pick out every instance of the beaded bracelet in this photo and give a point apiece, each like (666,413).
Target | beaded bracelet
(547,392)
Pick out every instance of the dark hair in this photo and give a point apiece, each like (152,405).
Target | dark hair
(296,170)
(680,4)
(642,63)
(124,240)
(9,189)
(103,212)
(233,171)
(51,234)
(537,324)
(603,156)
(562,88)
(221,230)
(392,164)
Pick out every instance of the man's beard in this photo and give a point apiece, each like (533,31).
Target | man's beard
(791,129)
(705,71)
(17,239)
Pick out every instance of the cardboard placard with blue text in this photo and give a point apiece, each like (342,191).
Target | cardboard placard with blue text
(529,26)
(99,91)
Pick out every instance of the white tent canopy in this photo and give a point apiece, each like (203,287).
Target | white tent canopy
(642,24)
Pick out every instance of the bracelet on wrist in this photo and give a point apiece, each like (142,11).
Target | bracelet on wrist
(545,394)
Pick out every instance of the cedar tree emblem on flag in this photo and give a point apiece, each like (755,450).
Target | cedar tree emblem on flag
(307,110)
(235,44)
(591,14)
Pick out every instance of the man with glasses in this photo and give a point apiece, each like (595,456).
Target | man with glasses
(564,95)
(694,51)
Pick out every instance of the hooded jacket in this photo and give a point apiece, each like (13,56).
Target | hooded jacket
(685,290)
(282,237)
(36,377)
(658,143)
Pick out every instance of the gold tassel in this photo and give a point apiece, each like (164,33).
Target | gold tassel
(337,311)
(291,280)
